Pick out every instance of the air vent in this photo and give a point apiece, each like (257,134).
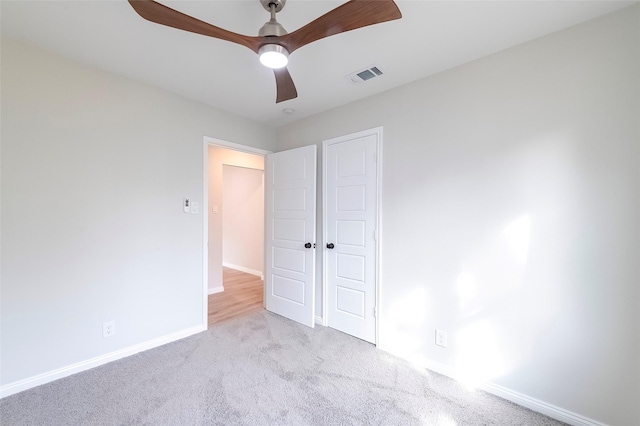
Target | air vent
(364,75)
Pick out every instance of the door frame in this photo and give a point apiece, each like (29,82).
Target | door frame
(376,131)
(207,142)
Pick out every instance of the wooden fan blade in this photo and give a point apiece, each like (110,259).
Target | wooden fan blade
(284,85)
(350,16)
(160,14)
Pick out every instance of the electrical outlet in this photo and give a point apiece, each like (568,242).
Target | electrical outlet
(108,329)
(441,338)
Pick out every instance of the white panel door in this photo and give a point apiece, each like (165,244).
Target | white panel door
(290,208)
(351,207)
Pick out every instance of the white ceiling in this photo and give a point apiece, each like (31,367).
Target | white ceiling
(431,37)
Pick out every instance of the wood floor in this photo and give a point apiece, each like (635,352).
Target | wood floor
(243,294)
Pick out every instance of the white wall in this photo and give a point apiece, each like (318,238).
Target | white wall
(94,170)
(510,216)
(243,219)
(218,157)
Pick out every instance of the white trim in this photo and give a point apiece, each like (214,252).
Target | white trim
(235,146)
(534,404)
(243,269)
(377,131)
(205,233)
(322,243)
(209,141)
(41,379)
(319,320)
(378,230)
(214,290)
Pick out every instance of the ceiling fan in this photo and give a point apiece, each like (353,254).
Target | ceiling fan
(273,43)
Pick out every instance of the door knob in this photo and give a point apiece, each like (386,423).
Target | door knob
(330,246)
(308,245)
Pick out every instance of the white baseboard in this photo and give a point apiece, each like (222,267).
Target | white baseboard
(534,404)
(319,320)
(215,290)
(50,376)
(541,406)
(243,269)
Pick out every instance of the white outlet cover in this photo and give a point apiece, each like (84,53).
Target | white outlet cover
(108,329)
(441,338)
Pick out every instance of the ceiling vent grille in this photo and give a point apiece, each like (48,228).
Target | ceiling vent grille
(364,75)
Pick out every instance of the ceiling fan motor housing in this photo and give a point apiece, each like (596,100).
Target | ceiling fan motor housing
(271,29)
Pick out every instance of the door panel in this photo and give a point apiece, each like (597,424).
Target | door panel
(351,207)
(350,301)
(350,267)
(289,229)
(351,198)
(288,289)
(351,232)
(290,208)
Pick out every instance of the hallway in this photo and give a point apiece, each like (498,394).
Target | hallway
(243,294)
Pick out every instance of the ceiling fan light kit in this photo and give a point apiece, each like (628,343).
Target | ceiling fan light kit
(273,56)
(274,44)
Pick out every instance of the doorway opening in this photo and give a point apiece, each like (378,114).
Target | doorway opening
(233,230)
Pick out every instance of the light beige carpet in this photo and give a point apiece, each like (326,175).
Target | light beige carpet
(261,370)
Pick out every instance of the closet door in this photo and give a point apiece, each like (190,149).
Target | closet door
(350,223)
(290,209)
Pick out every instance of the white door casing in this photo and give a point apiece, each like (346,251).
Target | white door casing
(290,209)
(350,200)
(208,142)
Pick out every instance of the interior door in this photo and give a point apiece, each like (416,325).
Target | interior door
(290,208)
(351,207)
